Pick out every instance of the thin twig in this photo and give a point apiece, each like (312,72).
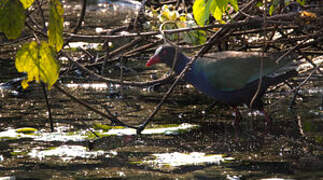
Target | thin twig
(81,19)
(41,14)
(111,118)
(117,51)
(48,108)
(261,68)
(277,19)
(295,90)
(140,14)
(117,81)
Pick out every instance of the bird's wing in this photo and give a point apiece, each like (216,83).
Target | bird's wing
(232,70)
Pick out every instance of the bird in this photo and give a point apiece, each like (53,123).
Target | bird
(230,77)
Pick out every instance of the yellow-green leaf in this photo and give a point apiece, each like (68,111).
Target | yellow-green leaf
(55,29)
(203,8)
(259,4)
(201,11)
(26,130)
(301,2)
(38,61)
(217,11)
(27,3)
(271,9)
(12,18)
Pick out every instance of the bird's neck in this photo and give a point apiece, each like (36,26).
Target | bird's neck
(180,64)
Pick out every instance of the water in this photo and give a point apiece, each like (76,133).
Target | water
(212,149)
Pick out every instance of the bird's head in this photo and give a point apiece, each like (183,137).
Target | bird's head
(163,54)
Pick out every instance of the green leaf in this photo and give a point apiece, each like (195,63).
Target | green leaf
(55,29)
(201,11)
(218,10)
(259,4)
(271,9)
(203,8)
(12,18)
(104,127)
(301,2)
(38,60)
(27,3)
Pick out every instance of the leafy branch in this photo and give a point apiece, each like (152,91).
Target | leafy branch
(36,58)
(203,8)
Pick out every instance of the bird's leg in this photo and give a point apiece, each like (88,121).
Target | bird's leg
(238,116)
(268,121)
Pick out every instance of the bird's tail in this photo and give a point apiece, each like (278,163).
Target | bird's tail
(281,78)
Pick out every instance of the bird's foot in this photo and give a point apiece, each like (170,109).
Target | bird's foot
(140,129)
(236,122)
(268,122)
(238,118)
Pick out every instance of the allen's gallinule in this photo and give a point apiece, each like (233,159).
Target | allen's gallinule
(230,77)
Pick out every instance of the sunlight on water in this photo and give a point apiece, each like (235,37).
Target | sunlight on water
(87,86)
(62,134)
(85,45)
(59,135)
(305,66)
(233,177)
(14,133)
(114,7)
(276,179)
(8,178)
(181,159)
(311,91)
(97,86)
(166,130)
(69,152)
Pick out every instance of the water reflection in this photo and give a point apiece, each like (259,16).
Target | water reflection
(113,11)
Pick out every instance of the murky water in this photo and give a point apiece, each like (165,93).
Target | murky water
(207,148)
(183,142)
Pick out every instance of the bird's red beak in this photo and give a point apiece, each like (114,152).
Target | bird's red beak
(153,60)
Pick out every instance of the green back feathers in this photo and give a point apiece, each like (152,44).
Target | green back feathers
(232,70)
